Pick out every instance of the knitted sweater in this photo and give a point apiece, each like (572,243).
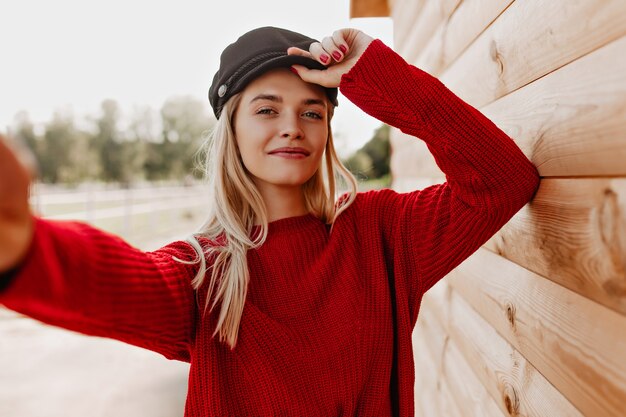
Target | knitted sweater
(326,329)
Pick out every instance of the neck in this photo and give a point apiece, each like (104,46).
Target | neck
(283,202)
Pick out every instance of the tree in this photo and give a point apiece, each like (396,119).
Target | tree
(64,151)
(105,141)
(122,158)
(186,122)
(372,159)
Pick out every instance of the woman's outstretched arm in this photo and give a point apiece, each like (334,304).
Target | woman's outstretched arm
(72,275)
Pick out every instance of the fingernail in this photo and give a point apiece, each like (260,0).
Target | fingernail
(337,55)
(343,48)
(295,71)
(324,58)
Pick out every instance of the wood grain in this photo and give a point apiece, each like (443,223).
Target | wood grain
(404,14)
(577,344)
(410,157)
(433,392)
(529,40)
(455,34)
(569,123)
(425,381)
(566,128)
(573,233)
(430,17)
(517,387)
(465,388)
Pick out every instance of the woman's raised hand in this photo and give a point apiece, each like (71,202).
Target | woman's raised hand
(16,221)
(339,52)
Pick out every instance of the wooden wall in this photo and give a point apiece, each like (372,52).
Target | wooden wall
(534,323)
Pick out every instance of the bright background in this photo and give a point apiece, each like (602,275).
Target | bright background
(71,55)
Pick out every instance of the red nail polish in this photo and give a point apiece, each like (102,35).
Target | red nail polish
(324,58)
(295,71)
(336,55)
(343,48)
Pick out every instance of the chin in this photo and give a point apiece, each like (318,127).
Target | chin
(288,181)
(290,178)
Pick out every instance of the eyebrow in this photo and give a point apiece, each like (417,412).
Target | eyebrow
(278,99)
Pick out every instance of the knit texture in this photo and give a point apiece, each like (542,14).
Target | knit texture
(327,325)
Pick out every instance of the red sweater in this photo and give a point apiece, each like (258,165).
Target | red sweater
(326,329)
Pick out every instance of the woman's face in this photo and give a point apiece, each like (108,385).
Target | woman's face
(281,126)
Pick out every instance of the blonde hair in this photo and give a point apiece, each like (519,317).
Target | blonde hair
(236,203)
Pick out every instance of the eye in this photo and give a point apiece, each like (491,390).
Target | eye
(265,110)
(314,115)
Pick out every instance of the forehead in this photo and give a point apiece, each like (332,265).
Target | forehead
(283,82)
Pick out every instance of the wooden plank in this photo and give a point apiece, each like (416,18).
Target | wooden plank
(404,14)
(410,157)
(529,40)
(574,233)
(369,8)
(434,394)
(455,34)
(567,127)
(405,185)
(517,387)
(424,379)
(464,387)
(432,14)
(577,344)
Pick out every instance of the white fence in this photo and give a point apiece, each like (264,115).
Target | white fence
(141,215)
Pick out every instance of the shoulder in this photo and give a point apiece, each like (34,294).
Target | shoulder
(372,204)
(377,199)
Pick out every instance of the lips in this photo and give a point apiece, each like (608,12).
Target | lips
(287,150)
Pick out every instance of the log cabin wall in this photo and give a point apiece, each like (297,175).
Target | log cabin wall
(534,323)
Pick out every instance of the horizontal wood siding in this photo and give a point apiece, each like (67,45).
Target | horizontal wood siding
(529,40)
(534,323)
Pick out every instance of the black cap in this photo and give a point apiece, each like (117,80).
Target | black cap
(254,53)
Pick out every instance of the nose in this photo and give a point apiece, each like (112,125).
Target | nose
(291,127)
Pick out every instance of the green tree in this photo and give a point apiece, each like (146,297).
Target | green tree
(121,156)
(185,123)
(106,141)
(59,138)
(371,161)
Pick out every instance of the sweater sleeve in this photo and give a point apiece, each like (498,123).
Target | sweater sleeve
(488,178)
(83,279)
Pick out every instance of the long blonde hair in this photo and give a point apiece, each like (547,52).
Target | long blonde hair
(236,203)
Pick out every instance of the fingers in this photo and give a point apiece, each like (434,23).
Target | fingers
(331,49)
(319,53)
(297,51)
(340,42)
(339,52)
(324,78)
(329,46)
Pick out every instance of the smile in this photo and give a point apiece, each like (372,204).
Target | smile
(290,153)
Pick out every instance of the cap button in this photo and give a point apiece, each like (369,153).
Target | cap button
(222,90)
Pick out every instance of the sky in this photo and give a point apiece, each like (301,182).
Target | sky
(71,55)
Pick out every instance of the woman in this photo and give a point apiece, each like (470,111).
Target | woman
(289,302)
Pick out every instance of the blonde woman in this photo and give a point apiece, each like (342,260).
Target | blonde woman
(297,297)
